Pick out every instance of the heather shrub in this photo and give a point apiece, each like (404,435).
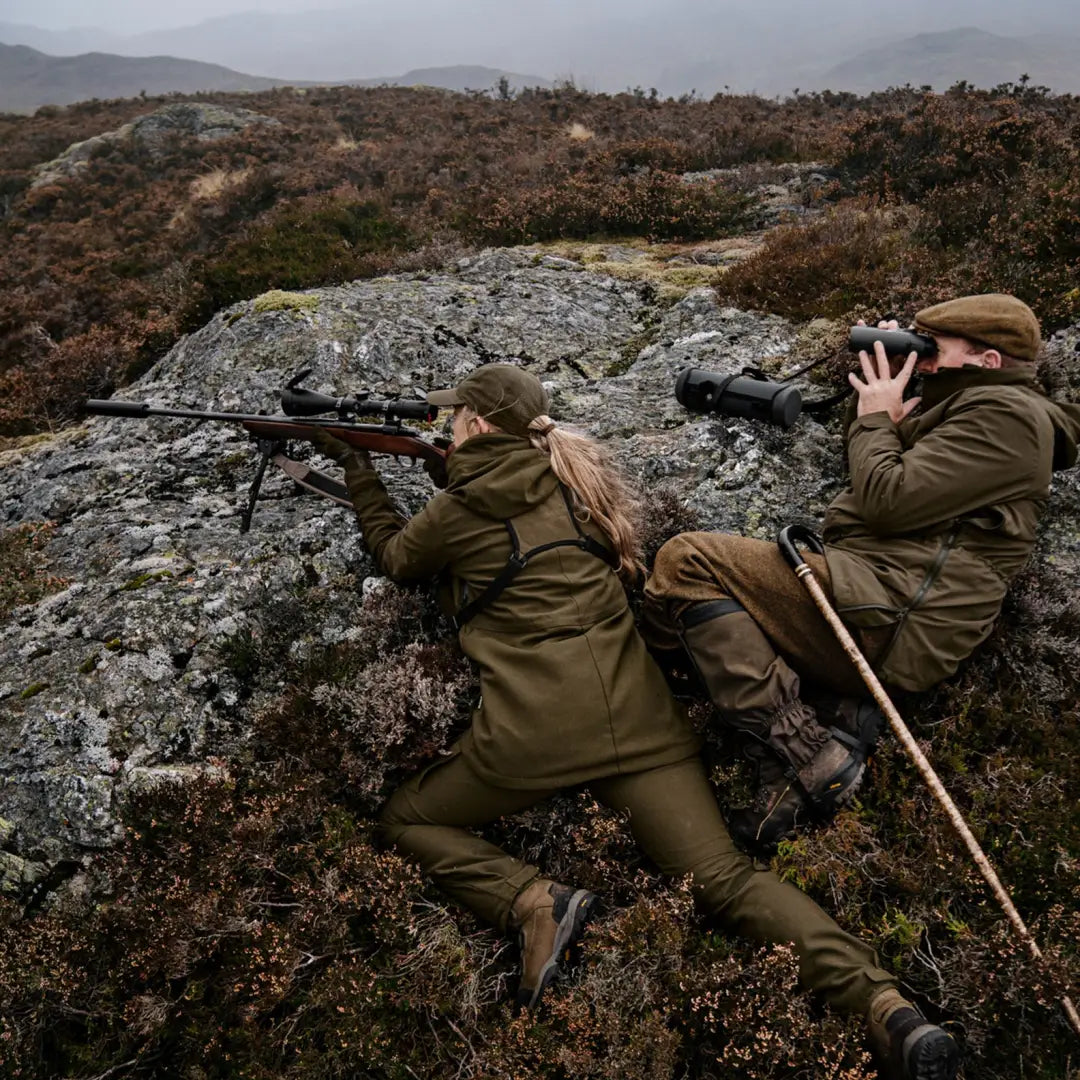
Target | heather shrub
(994,179)
(662,514)
(654,204)
(325,239)
(944,141)
(24,568)
(1032,246)
(353,182)
(861,257)
(47,390)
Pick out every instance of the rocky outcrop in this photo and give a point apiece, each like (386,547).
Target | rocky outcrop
(781,193)
(199,120)
(117,680)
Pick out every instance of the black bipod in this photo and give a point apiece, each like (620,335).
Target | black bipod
(267,449)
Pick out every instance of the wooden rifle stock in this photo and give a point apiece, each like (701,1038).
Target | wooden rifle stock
(373,438)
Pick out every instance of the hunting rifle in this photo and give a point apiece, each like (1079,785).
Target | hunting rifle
(272,432)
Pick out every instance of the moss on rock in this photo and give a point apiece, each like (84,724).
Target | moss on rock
(280,300)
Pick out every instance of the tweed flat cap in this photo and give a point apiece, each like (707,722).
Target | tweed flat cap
(996,320)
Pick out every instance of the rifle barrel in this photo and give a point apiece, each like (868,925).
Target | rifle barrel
(140,409)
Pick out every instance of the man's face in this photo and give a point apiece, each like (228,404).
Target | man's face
(955,352)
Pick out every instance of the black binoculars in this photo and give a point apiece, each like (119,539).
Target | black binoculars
(896,342)
(752,394)
(748,394)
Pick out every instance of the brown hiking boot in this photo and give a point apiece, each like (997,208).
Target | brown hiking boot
(549,919)
(814,793)
(858,716)
(907,1045)
(817,788)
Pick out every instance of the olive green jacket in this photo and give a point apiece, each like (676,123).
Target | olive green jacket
(941,514)
(568,691)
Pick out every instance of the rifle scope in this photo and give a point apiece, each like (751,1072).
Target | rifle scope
(748,394)
(896,342)
(296,401)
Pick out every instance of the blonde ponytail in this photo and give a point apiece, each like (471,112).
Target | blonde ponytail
(598,490)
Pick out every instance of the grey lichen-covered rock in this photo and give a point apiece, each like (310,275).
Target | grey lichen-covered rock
(200,120)
(129,660)
(781,192)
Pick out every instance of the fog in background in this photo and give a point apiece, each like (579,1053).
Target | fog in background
(768,46)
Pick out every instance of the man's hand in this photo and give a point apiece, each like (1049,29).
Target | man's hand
(883,390)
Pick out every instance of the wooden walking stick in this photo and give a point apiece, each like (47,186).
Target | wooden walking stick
(787,540)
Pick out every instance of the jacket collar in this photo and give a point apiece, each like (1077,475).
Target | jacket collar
(936,388)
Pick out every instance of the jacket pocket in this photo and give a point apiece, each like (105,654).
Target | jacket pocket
(874,629)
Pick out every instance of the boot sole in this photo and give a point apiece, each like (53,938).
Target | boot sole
(930,1054)
(842,790)
(579,910)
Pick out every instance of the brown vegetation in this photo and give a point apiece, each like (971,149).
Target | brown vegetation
(960,193)
(24,574)
(104,270)
(248,926)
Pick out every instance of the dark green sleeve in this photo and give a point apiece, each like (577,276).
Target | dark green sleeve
(985,451)
(403,548)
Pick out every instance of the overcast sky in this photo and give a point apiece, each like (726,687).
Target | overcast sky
(134,16)
(766,46)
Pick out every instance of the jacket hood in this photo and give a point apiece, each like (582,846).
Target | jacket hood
(500,475)
(1065,417)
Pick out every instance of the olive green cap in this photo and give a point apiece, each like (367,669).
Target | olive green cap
(502,394)
(996,320)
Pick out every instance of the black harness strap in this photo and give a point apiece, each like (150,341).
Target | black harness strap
(518,560)
(706,611)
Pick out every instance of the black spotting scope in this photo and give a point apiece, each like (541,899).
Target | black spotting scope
(896,342)
(748,394)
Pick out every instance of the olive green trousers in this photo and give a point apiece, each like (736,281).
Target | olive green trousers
(675,819)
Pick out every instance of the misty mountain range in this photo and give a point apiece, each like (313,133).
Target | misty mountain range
(982,59)
(29,79)
(769,47)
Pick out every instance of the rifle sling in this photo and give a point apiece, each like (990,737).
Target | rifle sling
(313,480)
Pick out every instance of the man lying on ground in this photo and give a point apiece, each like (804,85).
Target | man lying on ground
(940,514)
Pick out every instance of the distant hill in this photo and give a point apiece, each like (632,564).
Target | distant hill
(768,46)
(80,39)
(29,79)
(764,46)
(940,60)
(460,77)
